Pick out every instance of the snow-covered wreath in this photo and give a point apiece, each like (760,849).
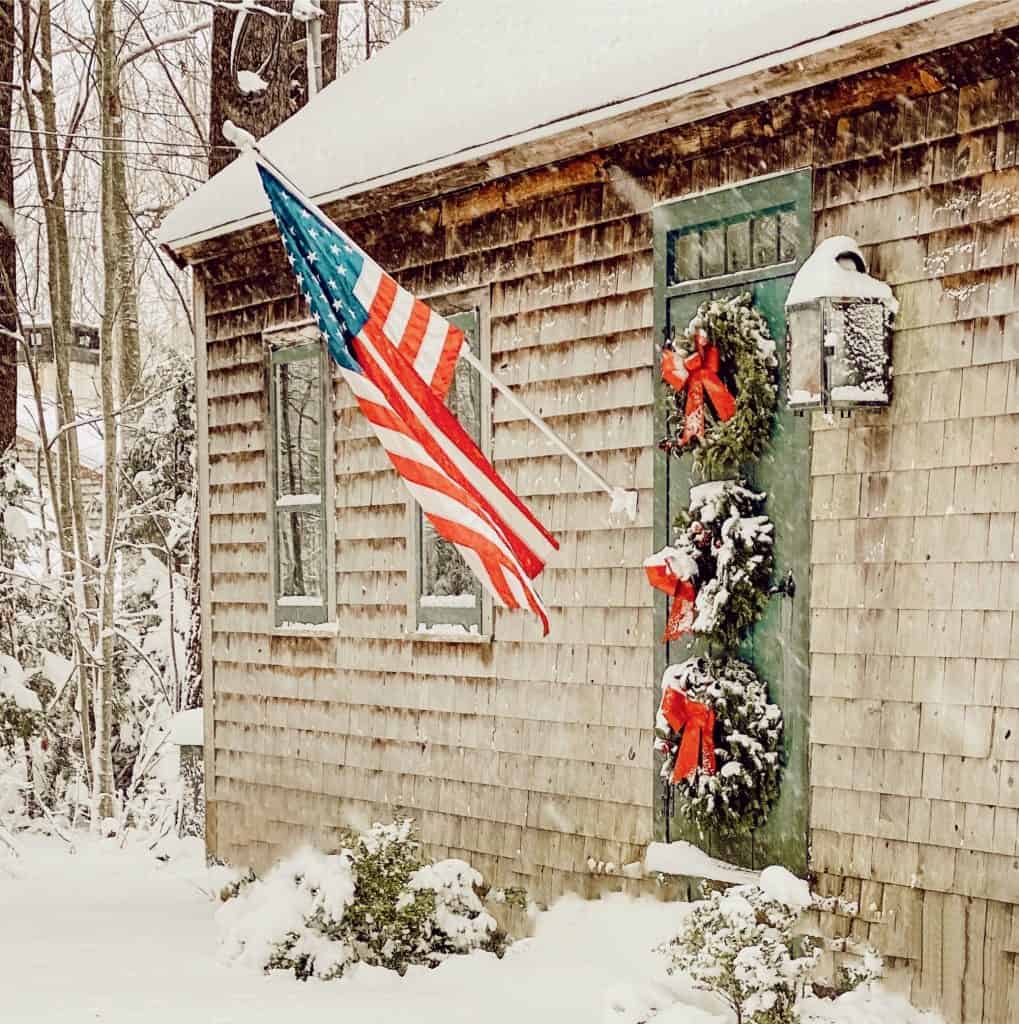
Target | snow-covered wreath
(719,568)
(722,741)
(725,375)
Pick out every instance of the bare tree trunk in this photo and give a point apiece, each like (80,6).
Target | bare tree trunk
(128,347)
(49,162)
(406,15)
(269,45)
(8,268)
(106,52)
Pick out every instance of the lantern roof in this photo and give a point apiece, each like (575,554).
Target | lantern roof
(837,269)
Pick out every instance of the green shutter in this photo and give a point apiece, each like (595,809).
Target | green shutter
(750,238)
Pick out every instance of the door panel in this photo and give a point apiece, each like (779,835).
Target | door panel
(752,239)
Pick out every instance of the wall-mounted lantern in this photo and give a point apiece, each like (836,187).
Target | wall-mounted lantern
(839,340)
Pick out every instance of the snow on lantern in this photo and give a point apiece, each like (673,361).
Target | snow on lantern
(839,330)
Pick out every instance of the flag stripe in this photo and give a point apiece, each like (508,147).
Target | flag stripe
(445,363)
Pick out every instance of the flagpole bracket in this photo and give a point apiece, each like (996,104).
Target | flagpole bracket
(787,587)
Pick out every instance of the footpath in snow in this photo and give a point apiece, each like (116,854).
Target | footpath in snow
(113,935)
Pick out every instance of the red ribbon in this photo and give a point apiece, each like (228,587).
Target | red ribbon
(662,577)
(696,722)
(698,374)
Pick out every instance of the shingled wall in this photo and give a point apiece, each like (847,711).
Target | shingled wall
(914,681)
(530,756)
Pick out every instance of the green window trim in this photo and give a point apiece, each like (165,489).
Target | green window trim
(301,529)
(778,647)
(437,569)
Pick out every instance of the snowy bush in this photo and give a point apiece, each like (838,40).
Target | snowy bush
(285,920)
(377,902)
(739,945)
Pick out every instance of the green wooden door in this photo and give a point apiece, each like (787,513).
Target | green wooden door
(751,238)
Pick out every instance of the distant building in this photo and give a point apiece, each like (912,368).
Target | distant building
(83,360)
(84,377)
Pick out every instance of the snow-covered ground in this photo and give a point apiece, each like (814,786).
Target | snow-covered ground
(113,935)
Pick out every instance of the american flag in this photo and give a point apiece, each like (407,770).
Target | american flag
(398,356)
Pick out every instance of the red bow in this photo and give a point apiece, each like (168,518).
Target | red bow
(698,373)
(662,576)
(697,723)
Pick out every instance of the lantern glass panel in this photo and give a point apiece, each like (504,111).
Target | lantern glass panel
(859,371)
(804,355)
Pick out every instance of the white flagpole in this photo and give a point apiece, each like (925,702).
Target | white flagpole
(623,501)
(621,498)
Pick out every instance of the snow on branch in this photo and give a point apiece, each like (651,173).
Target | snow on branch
(179,36)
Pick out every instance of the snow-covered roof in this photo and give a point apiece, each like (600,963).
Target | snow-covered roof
(478,76)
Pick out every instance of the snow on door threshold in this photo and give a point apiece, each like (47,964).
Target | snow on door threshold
(682,858)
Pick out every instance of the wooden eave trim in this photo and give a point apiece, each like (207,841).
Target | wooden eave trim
(793,75)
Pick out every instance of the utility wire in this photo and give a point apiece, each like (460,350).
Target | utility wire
(204,147)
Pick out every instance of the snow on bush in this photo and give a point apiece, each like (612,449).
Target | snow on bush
(284,921)
(377,902)
(739,945)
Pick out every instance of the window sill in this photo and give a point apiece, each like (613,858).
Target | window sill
(449,638)
(321,631)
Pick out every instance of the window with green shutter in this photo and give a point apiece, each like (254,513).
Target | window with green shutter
(446,591)
(300,468)
(751,238)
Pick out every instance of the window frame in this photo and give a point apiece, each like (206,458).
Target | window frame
(476,301)
(288,343)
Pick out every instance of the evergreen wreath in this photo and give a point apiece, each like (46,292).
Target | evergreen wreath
(726,535)
(748,369)
(737,798)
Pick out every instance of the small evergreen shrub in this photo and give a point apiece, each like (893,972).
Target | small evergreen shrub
(739,945)
(378,902)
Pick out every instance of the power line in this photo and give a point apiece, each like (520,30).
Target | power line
(202,146)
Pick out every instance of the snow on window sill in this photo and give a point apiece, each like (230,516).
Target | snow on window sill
(434,636)
(307,629)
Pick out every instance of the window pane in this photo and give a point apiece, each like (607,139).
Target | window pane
(737,246)
(449,593)
(713,242)
(299,555)
(686,257)
(765,240)
(788,236)
(298,426)
(446,580)
(464,398)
